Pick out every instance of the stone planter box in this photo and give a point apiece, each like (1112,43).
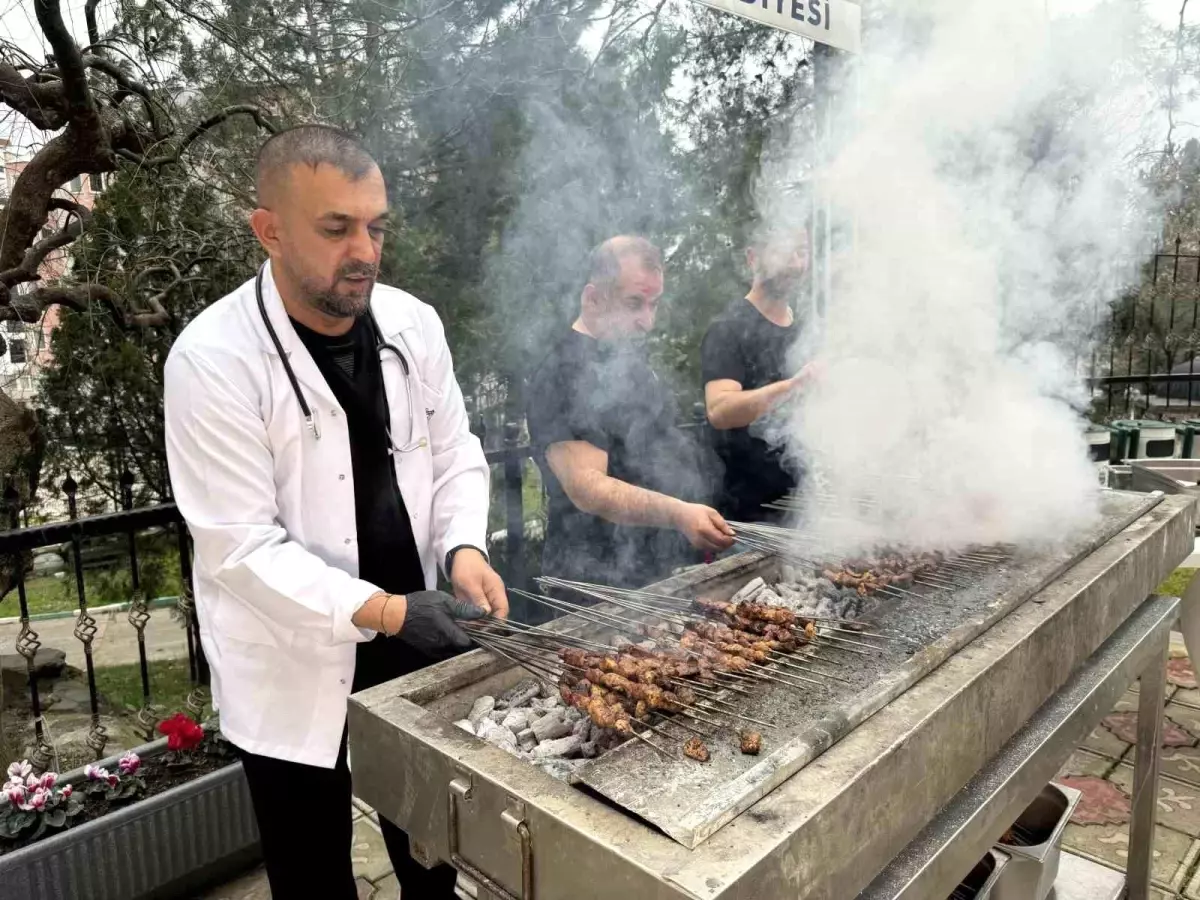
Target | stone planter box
(170,845)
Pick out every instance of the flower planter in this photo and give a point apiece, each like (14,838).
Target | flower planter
(169,845)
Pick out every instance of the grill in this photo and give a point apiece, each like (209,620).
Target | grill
(946,672)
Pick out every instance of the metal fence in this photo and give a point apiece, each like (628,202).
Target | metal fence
(1148,364)
(127,523)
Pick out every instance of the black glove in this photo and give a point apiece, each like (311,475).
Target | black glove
(429,624)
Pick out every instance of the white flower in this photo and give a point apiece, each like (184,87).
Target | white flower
(48,780)
(16,794)
(19,771)
(95,773)
(38,801)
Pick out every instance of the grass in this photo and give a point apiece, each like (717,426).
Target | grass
(170,685)
(58,593)
(1176,583)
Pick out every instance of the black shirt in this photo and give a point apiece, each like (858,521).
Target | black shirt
(742,345)
(387,549)
(608,395)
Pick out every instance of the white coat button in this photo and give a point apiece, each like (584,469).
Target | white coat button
(341,681)
(341,478)
(347,540)
(333,413)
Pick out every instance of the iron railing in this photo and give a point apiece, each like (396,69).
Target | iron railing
(1148,363)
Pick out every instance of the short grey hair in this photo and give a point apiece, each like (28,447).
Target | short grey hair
(312,146)
(604,268)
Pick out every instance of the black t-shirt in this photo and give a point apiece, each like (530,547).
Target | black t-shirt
(387,549)
(608,395)
(742,345)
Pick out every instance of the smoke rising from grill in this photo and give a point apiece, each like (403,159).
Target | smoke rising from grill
(985,175)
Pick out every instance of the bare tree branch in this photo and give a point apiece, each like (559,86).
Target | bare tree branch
(199,131)
(42,104)
(29,307)
(117,74)
(82,112)
(36,255)
(89,12)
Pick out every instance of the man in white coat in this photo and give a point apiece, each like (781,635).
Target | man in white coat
(319,451)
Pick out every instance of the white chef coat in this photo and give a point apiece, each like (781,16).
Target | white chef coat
(271,507)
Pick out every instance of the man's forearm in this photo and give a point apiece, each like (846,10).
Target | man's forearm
(622,503)
(739,409)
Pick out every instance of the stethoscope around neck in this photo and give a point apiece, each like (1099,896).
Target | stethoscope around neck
(381,345)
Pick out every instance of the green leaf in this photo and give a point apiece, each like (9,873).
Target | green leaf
(56,819)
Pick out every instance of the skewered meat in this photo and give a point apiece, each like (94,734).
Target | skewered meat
(695,749)
(750,742)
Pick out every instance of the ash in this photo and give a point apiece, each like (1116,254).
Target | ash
(806,593)
(531,721)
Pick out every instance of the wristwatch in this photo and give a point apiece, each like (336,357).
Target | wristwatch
(449,567)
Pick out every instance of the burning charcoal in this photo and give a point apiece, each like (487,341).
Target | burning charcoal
(498,715)
(551,726)
(465,726)
(526,741)
(516,720)
(747,590)
(581,727)
(560,747)
(767,596)
(498,736)
(519,694)
(483,706)
(545,704)
(588,750)
(571,714)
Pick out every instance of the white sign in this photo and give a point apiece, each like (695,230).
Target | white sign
(833,22)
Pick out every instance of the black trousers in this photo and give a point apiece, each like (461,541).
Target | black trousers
(304,815)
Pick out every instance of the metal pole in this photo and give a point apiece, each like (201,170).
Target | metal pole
(1151,698)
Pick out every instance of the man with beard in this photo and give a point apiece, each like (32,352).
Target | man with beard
(627,487)
(744,361)
(319,452)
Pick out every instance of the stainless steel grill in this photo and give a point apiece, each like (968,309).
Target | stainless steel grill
(910,719)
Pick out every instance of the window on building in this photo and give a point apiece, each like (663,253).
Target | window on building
(97,182)
(13,326)
(16,352)
(76,184)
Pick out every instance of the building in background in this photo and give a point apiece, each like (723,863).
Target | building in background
(26,346)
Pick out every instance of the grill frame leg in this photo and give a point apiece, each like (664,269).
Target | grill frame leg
(1152,686)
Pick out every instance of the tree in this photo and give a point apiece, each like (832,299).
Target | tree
(102,112)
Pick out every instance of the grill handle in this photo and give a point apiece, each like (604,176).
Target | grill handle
(513,819)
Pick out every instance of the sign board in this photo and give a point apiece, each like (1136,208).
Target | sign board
(833,22)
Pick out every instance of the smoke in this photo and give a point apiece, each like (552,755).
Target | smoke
(984,175)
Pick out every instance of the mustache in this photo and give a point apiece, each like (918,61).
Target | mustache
(356,268)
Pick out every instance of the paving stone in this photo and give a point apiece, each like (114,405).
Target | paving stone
(1109,844)
(1181,674)
(1189,697)
(1084,763)
(366,890)
(1178,803)
(387,888)
(1182,763)
(369,853)
(1123,725)
(251,886)
(1186,717)
(1127,703)
(1105,743)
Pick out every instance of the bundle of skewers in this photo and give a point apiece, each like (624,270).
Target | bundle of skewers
(679,670)
(887,571)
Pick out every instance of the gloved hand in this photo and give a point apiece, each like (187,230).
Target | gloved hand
(429,624)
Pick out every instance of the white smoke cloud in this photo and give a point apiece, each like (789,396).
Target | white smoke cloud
(985,173)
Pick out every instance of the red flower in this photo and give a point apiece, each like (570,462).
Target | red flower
(182,732)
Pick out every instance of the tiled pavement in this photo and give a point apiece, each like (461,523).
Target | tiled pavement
(1102,768)
(371,866)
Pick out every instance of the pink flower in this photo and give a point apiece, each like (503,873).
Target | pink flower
(66,791)
(113,780)
(48,780)
(16,794)
(129,763)
(33,782)
(38,801)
